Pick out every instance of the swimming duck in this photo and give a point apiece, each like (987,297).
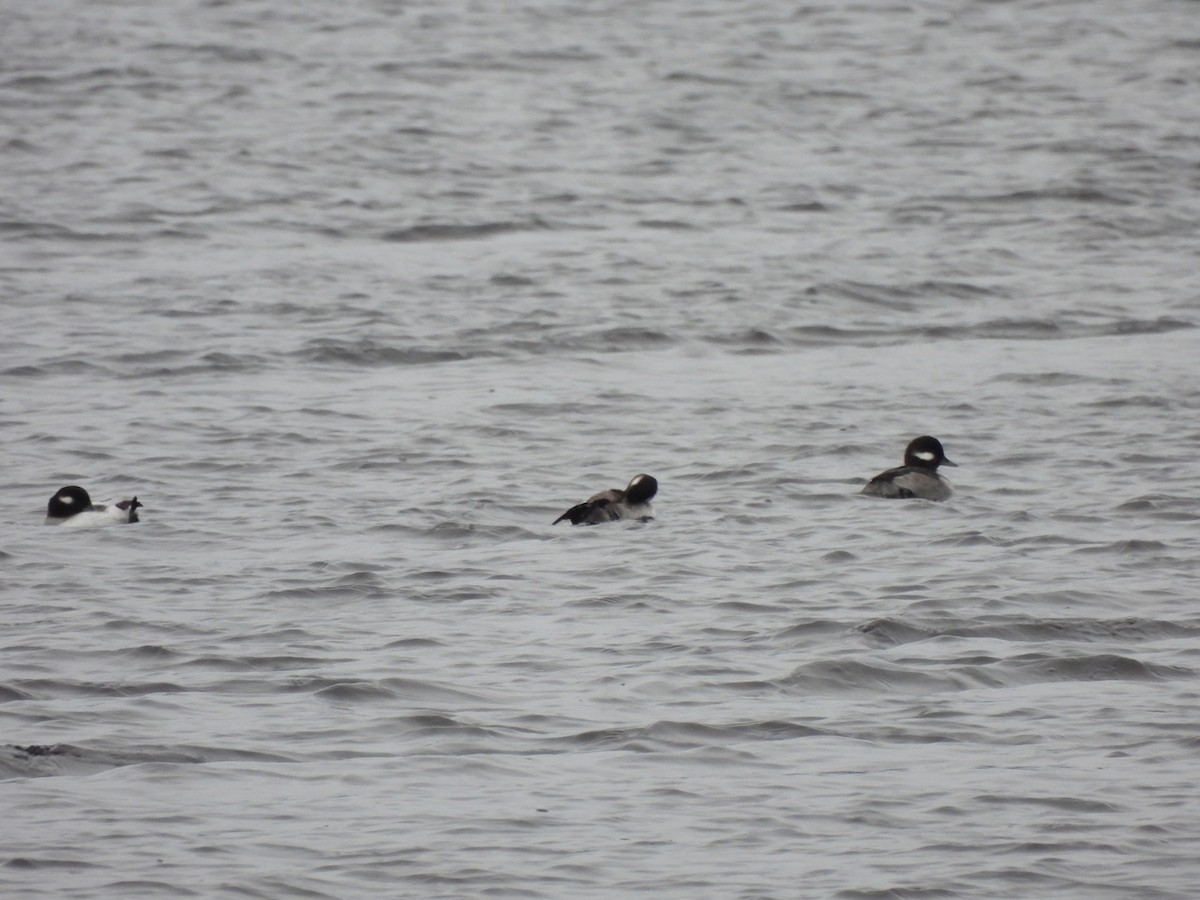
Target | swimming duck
(615,504)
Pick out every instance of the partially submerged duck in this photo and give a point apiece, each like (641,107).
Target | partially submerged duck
(918,477)
(616,504)
(72,507)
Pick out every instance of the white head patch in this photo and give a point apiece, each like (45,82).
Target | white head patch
(925,455)
(66,498)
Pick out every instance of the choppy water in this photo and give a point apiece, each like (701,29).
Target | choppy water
(358,297)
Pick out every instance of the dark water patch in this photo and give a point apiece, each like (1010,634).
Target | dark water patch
(412,643)
(174,629)
(257,663)
(1129,326)
(1147,459)
(696,734)
(211,52)
(1083,518)
(151,651)
(8,694)
(748,606)
(436,576)
(173,153)
(151,356)
(1064,193)
(891,296)
(1163,506)
(369,353)
(571,54)
(750,340)
(60,367)
(355,692)
(1043,668)
(1043,540)
(1056,599)
(217,361)
(898,893)
(360,579)
(974,671)
(146,887)
(969,539)
(606,739)
(174,234)
(459,232)
(323,413)
(50,864)
(825,335)
(410,690)
(38,750)
(1003,329)
(1137,401)
(459,530)
(675,735)
(505,279)
(610,601)
(854,676)
(615,339)
(1018,458)
(327,593)
(49,231)
(812,629)
(666,225)
(296,888)
(19,145)
(813,206)
(1049,848)
(706,78)
(901,588)
(1132,546)
(16,230)
(223,363)
(279,636)
(440,728)
(104,74)
(42,688)
(394,530)
(355,567)
(195,310)
(536,409)
(893,632)
(36,760)
(66,759)
(1054,379)
(1061,803)
(886,734)
(840,556)
(1007,328)
(902,296)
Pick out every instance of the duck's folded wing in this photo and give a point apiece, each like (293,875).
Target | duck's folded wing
(594,509)
(890,484)
(575,514)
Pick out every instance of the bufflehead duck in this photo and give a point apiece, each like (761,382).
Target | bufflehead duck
(609,506)
(73,507)
(918,476)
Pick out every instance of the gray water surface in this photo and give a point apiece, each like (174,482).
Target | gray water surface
(357,298)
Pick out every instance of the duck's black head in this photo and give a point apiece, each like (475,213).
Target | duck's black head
(641,489)
(926,452)
(68,501)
